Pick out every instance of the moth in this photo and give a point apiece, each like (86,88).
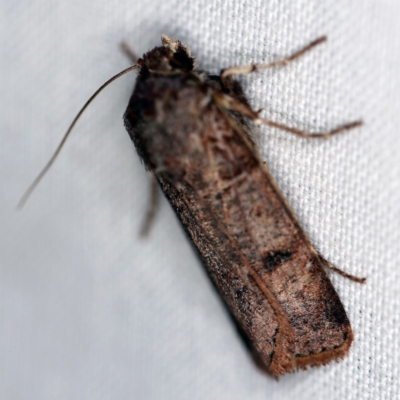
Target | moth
(195,132)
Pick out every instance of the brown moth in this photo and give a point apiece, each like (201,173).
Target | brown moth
(193,131)
(190,130)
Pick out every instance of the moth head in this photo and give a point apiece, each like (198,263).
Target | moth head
(171,56)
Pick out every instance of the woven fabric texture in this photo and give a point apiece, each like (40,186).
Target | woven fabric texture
(88,310)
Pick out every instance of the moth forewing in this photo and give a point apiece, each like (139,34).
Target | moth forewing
(201,151)
(192,131)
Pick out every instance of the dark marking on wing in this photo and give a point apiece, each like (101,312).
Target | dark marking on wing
(275,258)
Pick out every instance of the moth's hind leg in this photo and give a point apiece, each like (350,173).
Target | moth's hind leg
(340,272)
(151,206)
(247,69)
(128,52)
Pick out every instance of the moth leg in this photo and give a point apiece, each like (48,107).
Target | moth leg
(151,206)
(340,272)
(305,134)
(247,69)
(230,103)
(128,52)
(153,192)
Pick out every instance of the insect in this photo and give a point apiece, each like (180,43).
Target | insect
(195,133)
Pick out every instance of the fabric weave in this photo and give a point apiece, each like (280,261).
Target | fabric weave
(90,311)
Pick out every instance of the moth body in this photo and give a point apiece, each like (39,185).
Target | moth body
(204,157)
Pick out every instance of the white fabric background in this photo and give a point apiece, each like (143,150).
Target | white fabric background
(89,311)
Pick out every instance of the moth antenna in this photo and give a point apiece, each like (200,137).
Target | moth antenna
(43,172)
